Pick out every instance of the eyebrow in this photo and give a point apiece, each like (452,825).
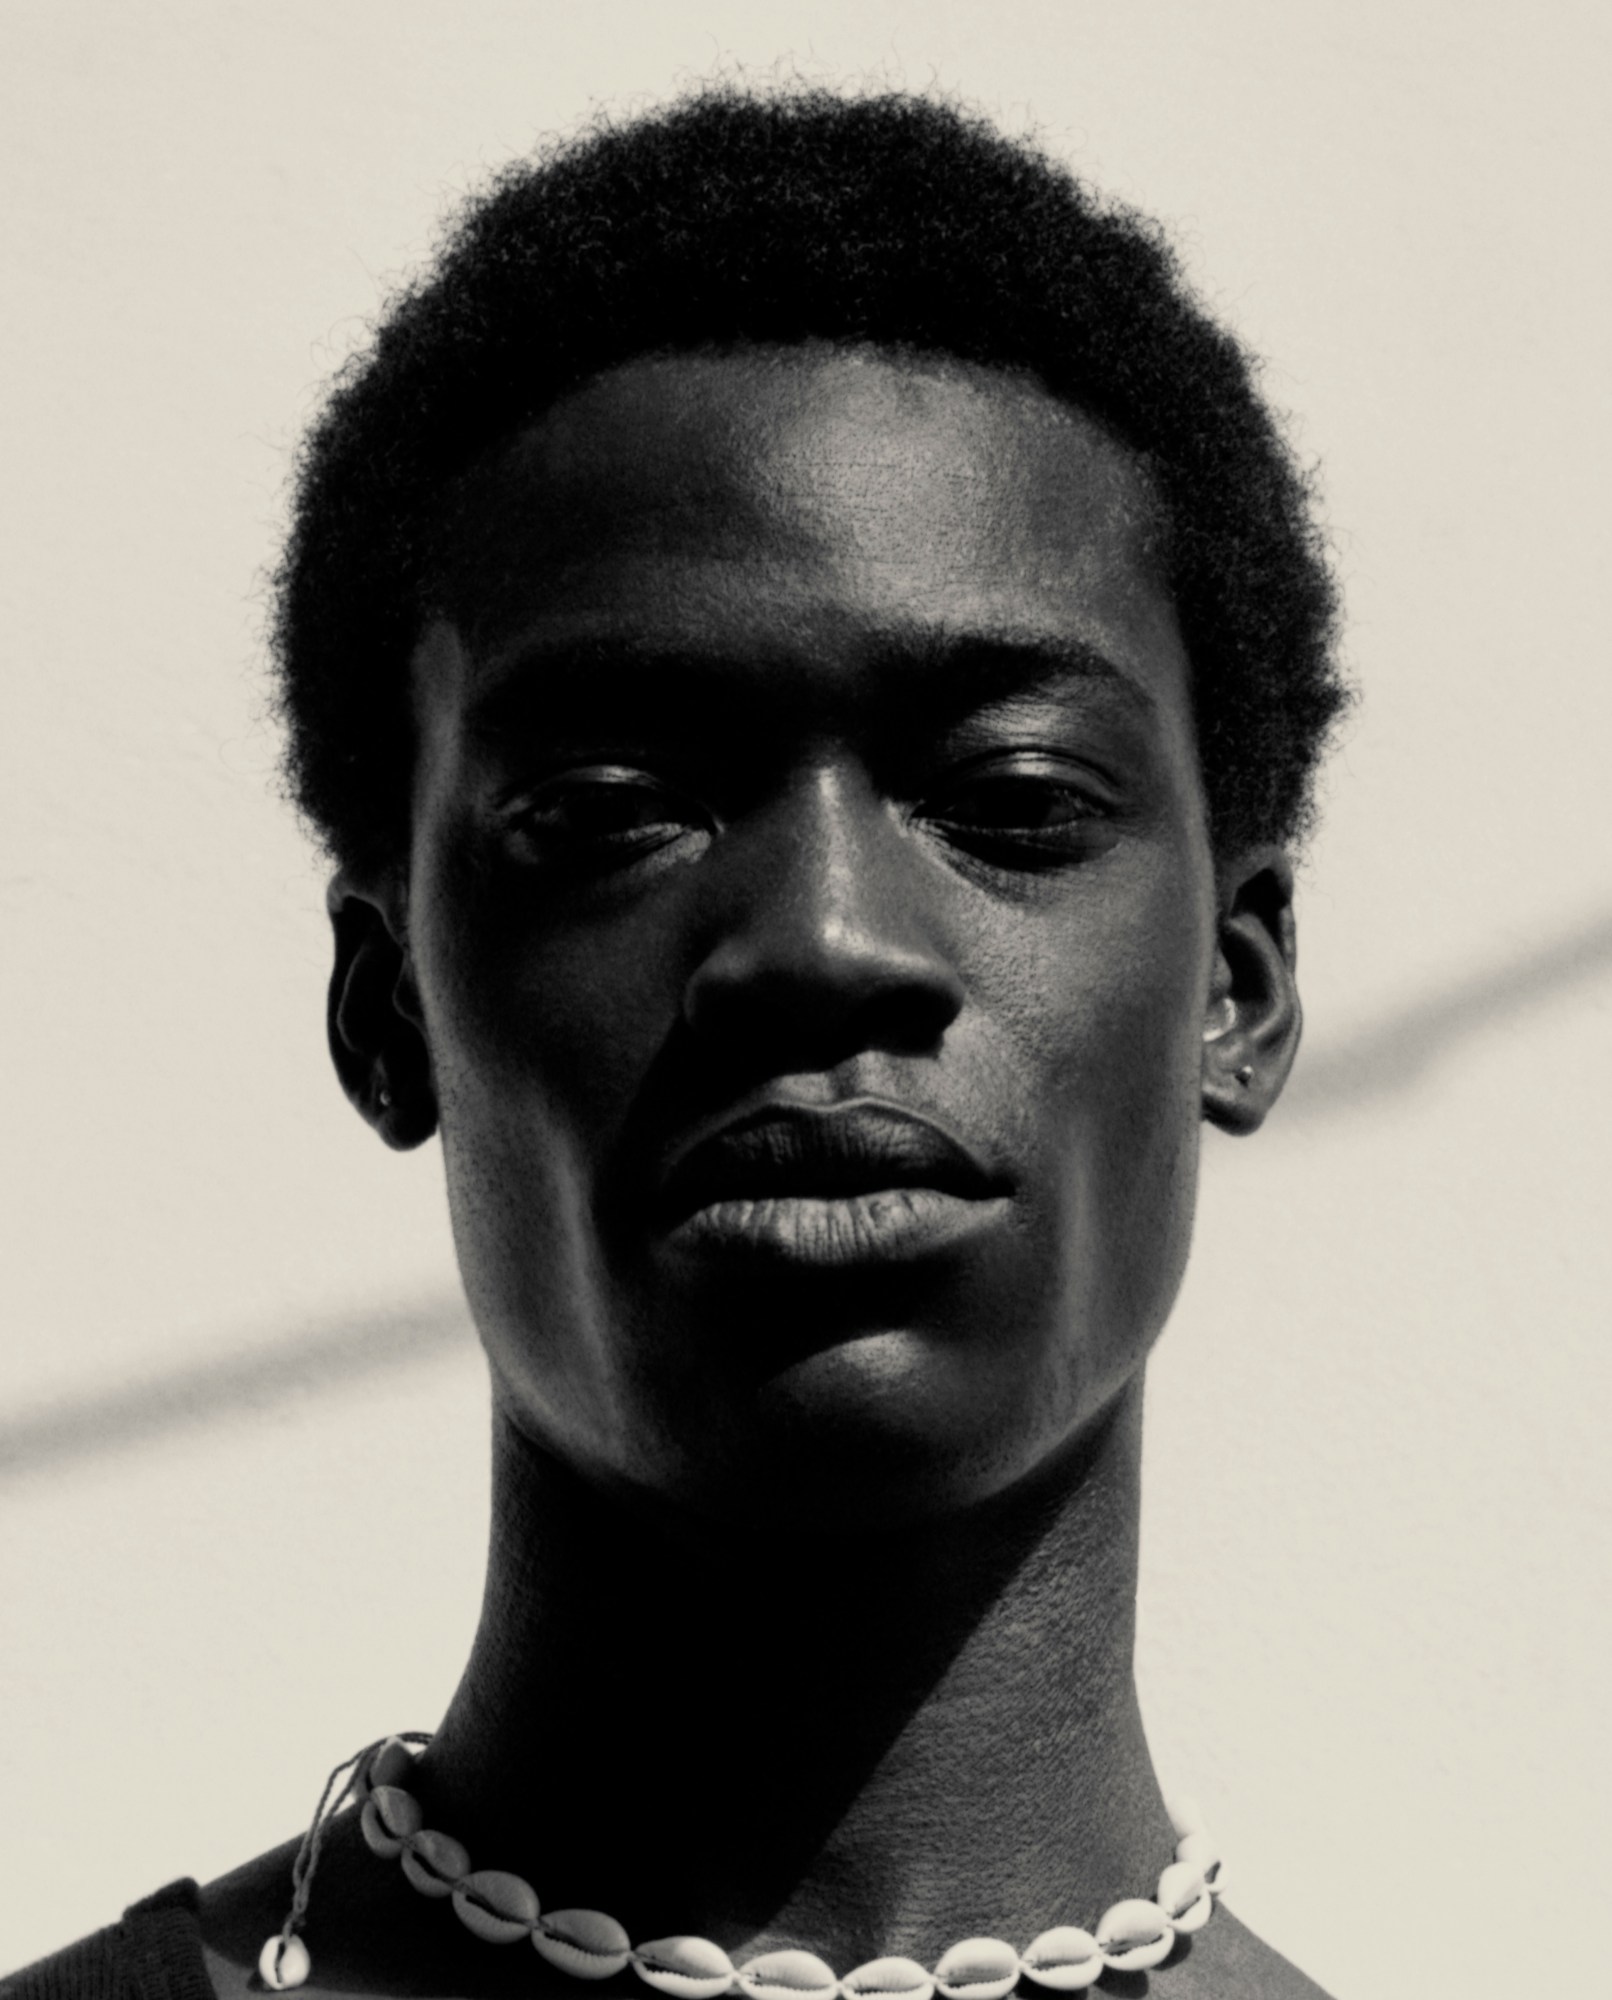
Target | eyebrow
(961,667)
(555,678)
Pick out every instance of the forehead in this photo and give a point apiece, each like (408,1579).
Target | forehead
(807,499)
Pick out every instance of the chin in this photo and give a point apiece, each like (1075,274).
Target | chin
(883,1430)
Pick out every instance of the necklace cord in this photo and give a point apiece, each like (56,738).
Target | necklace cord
(302,1868)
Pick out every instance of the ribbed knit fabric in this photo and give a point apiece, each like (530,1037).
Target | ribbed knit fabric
(155,1953)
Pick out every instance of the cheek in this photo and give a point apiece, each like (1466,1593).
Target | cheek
(540,1038)
(1103,992)
(542,1026)
(1104,1017)
(1138,1181)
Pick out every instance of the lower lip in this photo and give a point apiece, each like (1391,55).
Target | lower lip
(887,1226)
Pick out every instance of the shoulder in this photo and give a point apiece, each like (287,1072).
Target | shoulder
(365,1930)
(1226,1959)
(153,1953)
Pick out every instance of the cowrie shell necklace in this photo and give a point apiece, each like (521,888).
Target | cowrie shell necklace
(1129,1937)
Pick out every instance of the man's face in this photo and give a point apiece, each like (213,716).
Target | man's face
(812,920)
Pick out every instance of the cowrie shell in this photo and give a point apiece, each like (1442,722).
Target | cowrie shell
(897,1978)
(1186,1815)
(391,1764)
(691,1967)
(978,1968)
(496,1906)
(1134,1935)
(788,1975)
(585,1943)
(1201,1851)
(1066,1959)
(389,1818)
(433,1862)
(1183,1896)
(283,1962)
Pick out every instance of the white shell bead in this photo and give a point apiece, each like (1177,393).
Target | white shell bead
(899,1978)
(691,1967)
(495,1905)
(283,1962)
(978,1968)
(1183,1896)
(788,1975)
(1134,1935)
(391,1764)
(1186,1815)
(1065,1959)
(389,1818)
(433,1862)
(585,1943)
(1201,1851)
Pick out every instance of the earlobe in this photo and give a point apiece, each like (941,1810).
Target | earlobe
(1253,1020)
(373,1018)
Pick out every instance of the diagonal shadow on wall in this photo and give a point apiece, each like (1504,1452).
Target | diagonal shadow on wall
(1385,1057)
(187,1397)
(1394,1053)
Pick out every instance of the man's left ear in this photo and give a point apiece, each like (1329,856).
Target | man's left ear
(1252,1024)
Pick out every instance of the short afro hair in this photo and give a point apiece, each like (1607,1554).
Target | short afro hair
(733,219)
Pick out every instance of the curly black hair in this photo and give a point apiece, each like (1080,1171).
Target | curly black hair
(736,218)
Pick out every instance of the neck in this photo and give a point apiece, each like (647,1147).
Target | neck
(869,1746)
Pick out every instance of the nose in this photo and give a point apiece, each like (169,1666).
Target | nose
(820,948)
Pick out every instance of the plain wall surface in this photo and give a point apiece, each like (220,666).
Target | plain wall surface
(242,1418)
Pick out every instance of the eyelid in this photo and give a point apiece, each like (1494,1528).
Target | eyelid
(602,773)
(529,791)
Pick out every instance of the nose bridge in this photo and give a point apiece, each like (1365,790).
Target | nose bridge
(839,894)
(822,917)
(838,851)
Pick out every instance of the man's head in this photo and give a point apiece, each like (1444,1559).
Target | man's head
(732,220)
(811,909)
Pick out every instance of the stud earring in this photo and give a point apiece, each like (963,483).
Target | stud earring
(1244,1074)
(384,1097)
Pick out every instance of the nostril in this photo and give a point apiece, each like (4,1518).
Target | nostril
(910,1022)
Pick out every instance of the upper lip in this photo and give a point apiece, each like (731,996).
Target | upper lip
(775,1150)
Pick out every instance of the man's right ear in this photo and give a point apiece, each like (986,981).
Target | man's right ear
(374,1019)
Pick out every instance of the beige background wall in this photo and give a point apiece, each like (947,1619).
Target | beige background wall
(241,1416)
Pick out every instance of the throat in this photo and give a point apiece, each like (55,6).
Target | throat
(861,1747)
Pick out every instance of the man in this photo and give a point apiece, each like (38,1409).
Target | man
(807,653)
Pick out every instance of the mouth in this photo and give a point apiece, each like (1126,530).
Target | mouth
(859,1181)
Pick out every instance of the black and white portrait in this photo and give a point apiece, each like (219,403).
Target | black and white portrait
(807,952)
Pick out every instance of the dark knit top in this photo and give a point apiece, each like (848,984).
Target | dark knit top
(154,1954)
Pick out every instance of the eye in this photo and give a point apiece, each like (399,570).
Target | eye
(1033,812)
(604,813)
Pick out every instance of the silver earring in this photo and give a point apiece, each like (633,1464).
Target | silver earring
(385,1098)
(1245,1076)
